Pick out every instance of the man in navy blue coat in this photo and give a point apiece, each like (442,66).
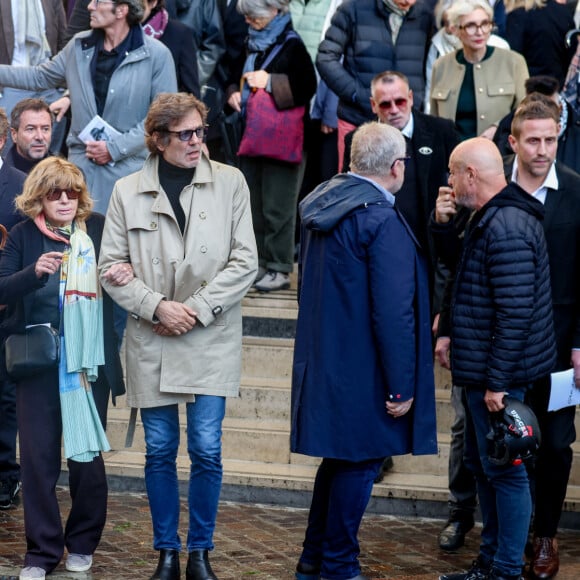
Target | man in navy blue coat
(362,386)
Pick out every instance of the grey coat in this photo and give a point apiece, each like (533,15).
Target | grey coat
(145,72)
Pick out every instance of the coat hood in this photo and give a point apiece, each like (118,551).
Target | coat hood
(514,196)
(331,201)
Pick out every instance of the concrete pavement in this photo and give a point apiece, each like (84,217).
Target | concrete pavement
(261,542)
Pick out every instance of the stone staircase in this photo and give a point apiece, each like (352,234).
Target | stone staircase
(258,465)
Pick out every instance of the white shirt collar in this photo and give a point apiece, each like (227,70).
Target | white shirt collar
(551,181)
(408,129)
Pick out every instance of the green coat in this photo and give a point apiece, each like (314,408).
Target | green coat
(499,86)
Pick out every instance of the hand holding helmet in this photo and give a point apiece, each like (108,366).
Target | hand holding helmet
(514,436)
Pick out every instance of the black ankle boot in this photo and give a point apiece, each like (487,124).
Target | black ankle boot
(168,566)
(198,567)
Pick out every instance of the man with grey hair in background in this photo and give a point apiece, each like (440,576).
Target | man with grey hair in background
(362,385)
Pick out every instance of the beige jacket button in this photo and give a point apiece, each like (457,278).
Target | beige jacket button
(203,249)
(153,225)
(202,215)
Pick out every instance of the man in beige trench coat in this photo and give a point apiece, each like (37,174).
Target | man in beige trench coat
(184,224)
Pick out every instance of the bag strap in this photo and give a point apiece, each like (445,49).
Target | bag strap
(277,48)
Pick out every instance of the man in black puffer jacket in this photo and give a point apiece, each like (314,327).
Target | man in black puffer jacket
(499,318)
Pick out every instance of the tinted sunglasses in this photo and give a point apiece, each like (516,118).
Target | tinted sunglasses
(56,193)
(399,103)
(187,134)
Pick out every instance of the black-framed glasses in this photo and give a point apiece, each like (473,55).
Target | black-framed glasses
(399,103)
(186,134)
(56,193)
(472,27)
(405,160)
(97,2)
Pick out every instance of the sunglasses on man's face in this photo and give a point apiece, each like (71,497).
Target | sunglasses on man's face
(187,134)
(399,103)
(56,193)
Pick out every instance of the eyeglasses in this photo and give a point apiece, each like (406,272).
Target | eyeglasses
(97,2)
(56,193)
(187,134)
(405,160)
(472,27)
(399,103)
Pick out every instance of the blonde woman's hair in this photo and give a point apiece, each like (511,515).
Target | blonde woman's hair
(53,173)
(461,8)
(511,5)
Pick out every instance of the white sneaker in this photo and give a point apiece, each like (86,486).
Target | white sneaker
(273,281)
(261,273)
(32,573)
(79,562)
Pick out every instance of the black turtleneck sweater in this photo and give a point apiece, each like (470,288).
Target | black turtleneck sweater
(173,179)
(14,159)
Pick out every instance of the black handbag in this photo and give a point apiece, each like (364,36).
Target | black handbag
(31,353)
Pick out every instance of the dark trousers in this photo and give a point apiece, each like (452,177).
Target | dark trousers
(342,490)
(274,190)
(462,487)
(9,468)
(550,475)
(40,426)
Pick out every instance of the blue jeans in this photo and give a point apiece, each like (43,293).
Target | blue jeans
(342,490)
(204,431)
(504,491)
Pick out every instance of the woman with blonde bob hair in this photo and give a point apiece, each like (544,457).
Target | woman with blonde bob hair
(53,173)
(477,84)
(48,276)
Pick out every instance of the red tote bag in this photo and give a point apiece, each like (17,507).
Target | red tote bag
(270,132)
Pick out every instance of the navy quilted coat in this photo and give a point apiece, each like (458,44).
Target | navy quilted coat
(358,45)
(502,333)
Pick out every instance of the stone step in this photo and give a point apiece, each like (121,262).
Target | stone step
(267,441)
(267,357)
(258,465)
(291,484)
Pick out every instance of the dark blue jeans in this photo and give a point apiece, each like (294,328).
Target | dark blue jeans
(342,490)
(504,491)
(204,431)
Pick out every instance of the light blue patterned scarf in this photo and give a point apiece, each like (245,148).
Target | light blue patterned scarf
(82,349)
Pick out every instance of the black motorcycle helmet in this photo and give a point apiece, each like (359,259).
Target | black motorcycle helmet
(515,434)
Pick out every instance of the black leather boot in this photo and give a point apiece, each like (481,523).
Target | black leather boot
(198,567)
(168,566)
